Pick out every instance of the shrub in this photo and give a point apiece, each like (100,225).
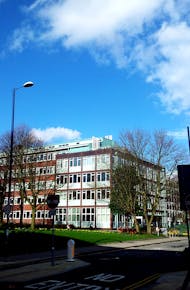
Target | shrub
(127,230)
(173,233)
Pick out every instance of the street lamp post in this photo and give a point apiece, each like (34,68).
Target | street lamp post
(7,209)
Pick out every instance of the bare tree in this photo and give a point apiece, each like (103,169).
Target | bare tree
(175,214)
(24,141)
(3,183)
(38,185)
(2,197)
(163,153)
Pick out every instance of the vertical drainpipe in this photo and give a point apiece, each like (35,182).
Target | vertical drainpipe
(55,184)
(111,165)
(95,195)
(81,180)
(164,218)
(67,206)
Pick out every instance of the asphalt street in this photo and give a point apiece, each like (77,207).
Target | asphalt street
(115,266)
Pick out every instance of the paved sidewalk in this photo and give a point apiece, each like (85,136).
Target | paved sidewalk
(24,268)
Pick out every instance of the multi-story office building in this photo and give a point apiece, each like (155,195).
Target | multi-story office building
(80,174)
(175,215)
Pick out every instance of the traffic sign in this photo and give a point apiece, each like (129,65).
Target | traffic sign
(52,212)
(7,209)
(184,186)
(52,201)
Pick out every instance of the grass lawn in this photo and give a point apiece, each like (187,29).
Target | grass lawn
(100,236)
(26,241)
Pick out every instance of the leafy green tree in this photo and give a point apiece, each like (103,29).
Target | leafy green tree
(124,199)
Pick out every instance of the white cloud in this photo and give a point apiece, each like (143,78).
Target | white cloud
(82,21)
(103,25)
(36,4)
(21,38)
(173,69)
(97,25)
(180,135)
(52,133)
(152,36)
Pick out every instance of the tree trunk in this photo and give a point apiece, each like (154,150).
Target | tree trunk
(136,224)
(21,212)
(148,228)
(33,219)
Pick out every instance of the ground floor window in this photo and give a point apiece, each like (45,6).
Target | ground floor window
(88,214)
(73,215)
(61,215)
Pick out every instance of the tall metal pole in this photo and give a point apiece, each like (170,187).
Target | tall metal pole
(11,159)
(7,208)
(186,212)
(188,138)
(186,280)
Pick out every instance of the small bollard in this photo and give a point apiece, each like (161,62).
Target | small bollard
(70,250)
(157,231)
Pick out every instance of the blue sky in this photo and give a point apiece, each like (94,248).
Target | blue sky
(98,67)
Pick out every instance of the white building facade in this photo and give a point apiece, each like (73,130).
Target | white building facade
(80,174)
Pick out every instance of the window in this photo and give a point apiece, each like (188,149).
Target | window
(41,200)
(103,159)
(76,161)
(103,194)
(88,194)
(88,214)
(88,161)
(84,177)
(27,214)
(62,179)
(103,176)
(73,195)
(16,214)
(38,214)
(17,200)
(61,215)
(88,177)
(45,170)
(74,178)
(73,215)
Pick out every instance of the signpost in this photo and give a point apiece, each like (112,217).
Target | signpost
(7,209)
(184,190)
(52,202)
(184,186)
